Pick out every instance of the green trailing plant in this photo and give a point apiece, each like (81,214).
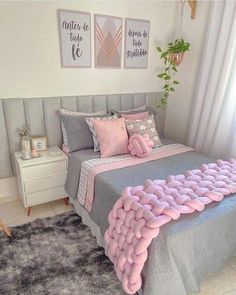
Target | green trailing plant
(172,57)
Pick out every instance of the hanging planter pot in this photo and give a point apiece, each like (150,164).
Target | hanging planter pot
(177,58)
(172,56)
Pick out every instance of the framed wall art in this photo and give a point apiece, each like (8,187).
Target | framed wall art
(75,38)
(39,143)
(136,43)
(108,41)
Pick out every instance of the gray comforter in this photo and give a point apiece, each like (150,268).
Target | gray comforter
(185,250)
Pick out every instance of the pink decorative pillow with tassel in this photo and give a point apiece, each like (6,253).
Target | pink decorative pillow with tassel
(140,146)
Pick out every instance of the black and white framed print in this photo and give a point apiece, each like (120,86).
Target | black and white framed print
(136,43)
(75,38)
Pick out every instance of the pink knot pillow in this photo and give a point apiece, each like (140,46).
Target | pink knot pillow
(140,146)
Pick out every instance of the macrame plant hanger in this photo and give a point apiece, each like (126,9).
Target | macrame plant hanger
(179,24)
(177,58)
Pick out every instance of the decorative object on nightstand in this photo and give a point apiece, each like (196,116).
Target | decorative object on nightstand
(39,143)
(24,133)
(41,179)
(34,153)
(55,153)
(5,229)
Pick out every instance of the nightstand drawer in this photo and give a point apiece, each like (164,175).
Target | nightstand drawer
(45,196)
(43,170)
(44,183)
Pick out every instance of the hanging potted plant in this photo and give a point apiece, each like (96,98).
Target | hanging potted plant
(172,56)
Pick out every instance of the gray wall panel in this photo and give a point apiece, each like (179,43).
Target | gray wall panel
(35,116)
(69,103)
(15,119)
(114,102)
(52,121)
(152,101)
(127,101)
(5,158)
(99,103)
(85,103)
(139,99)
(42,115)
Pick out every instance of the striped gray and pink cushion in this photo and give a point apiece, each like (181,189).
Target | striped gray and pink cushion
(93,130)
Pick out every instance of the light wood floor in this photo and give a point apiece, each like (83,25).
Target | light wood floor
(13,213)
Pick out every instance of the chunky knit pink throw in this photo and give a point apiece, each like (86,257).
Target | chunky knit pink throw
(137,216)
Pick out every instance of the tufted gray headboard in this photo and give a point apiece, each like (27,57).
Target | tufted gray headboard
(42,116)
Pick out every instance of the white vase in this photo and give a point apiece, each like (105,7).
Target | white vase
(26,148)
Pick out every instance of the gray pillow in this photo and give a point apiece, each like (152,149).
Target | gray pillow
(65,112)
(131,111)
(78,133)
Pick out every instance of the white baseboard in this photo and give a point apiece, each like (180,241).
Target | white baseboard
(8,189)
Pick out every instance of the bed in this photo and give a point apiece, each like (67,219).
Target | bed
(186,250)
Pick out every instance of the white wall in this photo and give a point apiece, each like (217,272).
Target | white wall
(180,103)
(30,57)
(8,189)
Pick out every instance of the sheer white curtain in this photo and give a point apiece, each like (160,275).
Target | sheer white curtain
(212,128)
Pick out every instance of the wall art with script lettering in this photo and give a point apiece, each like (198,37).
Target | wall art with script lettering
(136,43)
(108,41)
(75,38)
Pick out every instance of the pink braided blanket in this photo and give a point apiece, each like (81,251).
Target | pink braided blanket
(138,215)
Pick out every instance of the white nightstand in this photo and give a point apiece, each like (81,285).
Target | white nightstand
(42,179)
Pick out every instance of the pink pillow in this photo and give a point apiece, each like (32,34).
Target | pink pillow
(112,137)
(136,116)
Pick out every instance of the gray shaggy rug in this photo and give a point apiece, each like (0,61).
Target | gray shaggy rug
(55,255)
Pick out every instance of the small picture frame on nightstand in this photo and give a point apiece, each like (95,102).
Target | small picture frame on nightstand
(39,143)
